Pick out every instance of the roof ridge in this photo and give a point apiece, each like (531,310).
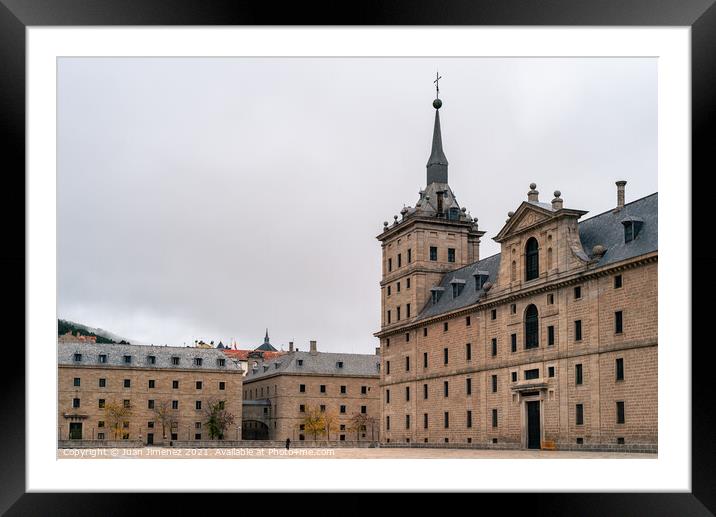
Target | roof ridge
(610,210)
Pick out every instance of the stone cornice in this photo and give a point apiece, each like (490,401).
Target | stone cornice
(507,297)
(309,374)
(413,220)
(149,369)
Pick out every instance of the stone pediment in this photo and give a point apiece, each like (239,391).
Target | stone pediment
(527,216)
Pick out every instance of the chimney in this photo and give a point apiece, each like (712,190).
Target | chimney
(313,348)
(557,202)
(533,195)
(290,346)
(620,193)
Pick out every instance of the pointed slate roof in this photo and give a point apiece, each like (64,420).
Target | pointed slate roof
(266,345)
(437,163)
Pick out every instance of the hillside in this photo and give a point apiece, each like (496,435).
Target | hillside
(103,336)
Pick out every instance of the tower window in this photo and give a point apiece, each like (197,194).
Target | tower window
(446,389)
(620,412)
(445,356)
(388,290)
(580,414)
(618,322)
(550,335)
(531,259)
(451,254)
(410,257)
(494,384)
(513,342)
(433,253)
(494,346)
(578,379)
(578,292)
(493,314)
(531,327)
(468,352)
(390,264)
(578,330)
(425,359)
(532,374)
(400,260)
(407,310)
(617,281)
(620,369)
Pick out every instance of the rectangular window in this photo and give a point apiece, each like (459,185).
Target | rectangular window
(407,310)
(494,346)
(513,342)
(151,359)
(302,388)
(175,361)
(578,374)
(390,264)
(76,381)
(620,369)
(322,408)
(467,321)
(445,388)
(102,358)
(425,420)
(388,290)
(580,414)
(127,383)
(617,281)
(407,421)
(301,408)
(387,422)
(343,390)
(578,292)
(578,330)
(550,299)
(198,385)
(407,364)
(410,259)
(550,335)
(127,359)
(397,287)
(103,383)
(152,383)
(514,376)
(387,367)
(445,326)
(407,393)
(618,322)
(78,358)
(532,374)
(425,331)
(198,361)
(447,420)
(397,313)
(364,390)
(451,254)
(445,356)
(550,371)
(175,404)
(468,352)
(197,404)
(468,386)
(433,253)
(387,396)
(425,359)
(150,404)
(493,314)
(469,419)
(425,391)
(407,283)
(100,404)
(100,436)
(388,316)
(323,388)
(620,412)
(100,423)
(513,308)
(175,385)
(494,418)
(400,260)
(494,384)
(343,409)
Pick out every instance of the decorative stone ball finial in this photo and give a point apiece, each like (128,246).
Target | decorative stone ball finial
(395,217)
(486,286)
(385,223)
(533,186)
(510,213)
(437,104)
(557,193)
(533,195)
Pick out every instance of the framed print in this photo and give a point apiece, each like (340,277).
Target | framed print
(224,265)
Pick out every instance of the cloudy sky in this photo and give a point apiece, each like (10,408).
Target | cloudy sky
(212,198)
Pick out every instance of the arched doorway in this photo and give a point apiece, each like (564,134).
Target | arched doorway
(254,430)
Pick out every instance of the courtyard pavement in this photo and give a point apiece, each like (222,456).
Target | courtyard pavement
(337,453)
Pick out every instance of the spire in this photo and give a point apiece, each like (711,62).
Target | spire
(266,339)
(437,163)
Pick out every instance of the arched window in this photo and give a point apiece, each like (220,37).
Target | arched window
(531,327)
(531,259)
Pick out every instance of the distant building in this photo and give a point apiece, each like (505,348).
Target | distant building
(179,382)
(68,337)
(279,392)
(248,358)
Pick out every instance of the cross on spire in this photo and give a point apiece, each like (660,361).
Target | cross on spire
(437,84)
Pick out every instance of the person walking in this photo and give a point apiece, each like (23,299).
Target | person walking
(288,443)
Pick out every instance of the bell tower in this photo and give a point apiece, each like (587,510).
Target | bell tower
(428,240)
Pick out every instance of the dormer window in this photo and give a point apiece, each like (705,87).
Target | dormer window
(198,361)
(127,359)
(221,362)
(265,367)
(339,364)
(299,362)
(151,359)
(457,286)
(78,358)
(480,279)
(276,365)
(436,292)
(102,358)
(175,361)
(632,226)
(454,214)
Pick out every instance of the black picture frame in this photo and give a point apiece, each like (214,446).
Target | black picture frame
(16,15)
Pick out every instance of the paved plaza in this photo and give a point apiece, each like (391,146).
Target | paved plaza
(337,453)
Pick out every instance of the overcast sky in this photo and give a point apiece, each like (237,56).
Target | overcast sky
(212,198)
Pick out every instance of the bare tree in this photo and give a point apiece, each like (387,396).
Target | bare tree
(218,419)
(358,423)
(165,415)
(329,421)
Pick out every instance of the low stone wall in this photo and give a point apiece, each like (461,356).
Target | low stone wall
(640,448)
(270,444)
(99,444)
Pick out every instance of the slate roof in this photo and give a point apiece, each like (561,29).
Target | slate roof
(115,356)
(321,363)
(605,229)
